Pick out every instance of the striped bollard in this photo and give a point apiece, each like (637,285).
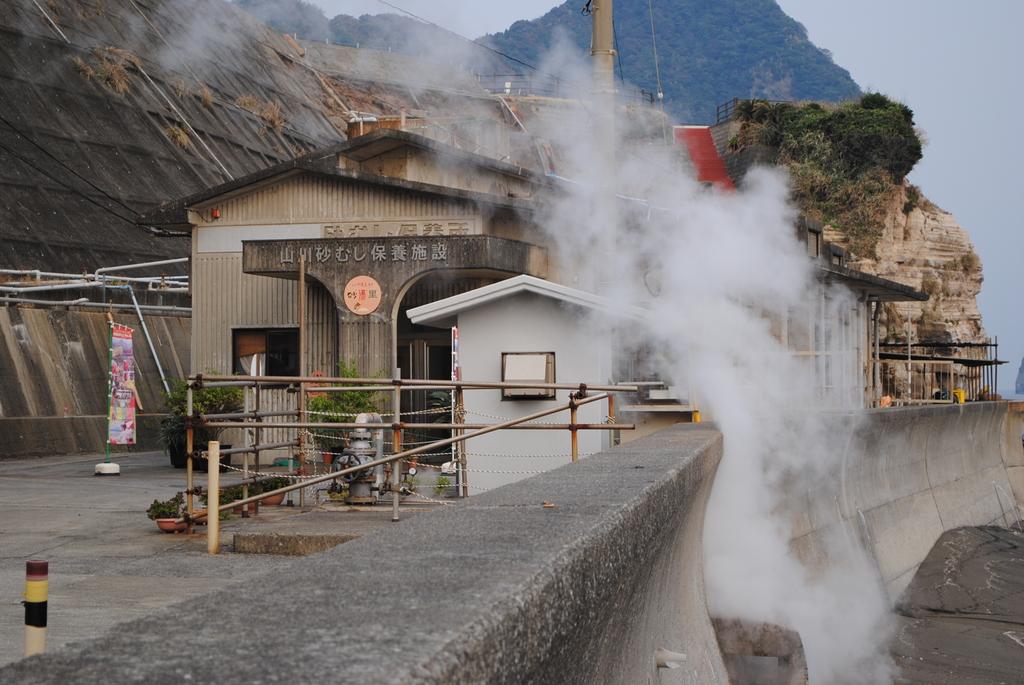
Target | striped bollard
(36,592)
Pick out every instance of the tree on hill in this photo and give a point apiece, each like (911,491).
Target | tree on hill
(710,52)
(296,17)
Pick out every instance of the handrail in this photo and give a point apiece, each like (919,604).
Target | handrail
(392,458)
(200,381)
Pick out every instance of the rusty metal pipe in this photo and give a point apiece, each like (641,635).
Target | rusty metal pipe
(258,448)
(411,383)
(396,446)
(437,426)
(189,467)
(574,432)
(245,415)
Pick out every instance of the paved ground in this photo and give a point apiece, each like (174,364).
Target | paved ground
(962,617)
(108,562)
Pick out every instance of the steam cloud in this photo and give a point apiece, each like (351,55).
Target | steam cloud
(720,273)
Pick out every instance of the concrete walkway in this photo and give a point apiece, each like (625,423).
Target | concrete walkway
(108,562)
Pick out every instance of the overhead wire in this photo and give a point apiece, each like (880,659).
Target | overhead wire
(654,44)
(618,54)
(64,184)
(70,170)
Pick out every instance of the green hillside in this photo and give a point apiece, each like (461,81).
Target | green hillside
(709,52)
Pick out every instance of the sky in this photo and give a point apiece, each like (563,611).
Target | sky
(954,62)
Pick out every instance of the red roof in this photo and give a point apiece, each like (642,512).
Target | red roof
(707,162)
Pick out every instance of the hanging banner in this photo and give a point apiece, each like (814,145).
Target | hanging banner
(121,420)
(456,369)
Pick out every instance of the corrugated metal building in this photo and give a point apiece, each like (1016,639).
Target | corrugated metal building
(423,219)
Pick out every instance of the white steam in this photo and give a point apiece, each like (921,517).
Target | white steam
(722,273)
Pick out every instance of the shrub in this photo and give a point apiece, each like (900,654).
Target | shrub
(178,136)
(168,509)
(206,95)
(913,198)
(969,262)
(442,484)
(204,401)
(341,407)
(847,162)
(930,285)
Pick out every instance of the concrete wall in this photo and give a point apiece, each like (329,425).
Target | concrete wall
(497,589)
(528,323)
(53,377)
(908,475)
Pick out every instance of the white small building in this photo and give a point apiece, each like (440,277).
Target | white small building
(528,329)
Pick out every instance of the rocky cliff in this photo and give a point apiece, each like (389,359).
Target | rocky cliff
(1019,388)
(923,246)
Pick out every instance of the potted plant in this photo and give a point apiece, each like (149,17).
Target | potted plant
(227,496)
(173,429)
(338,407)
(167,512)
(269,484)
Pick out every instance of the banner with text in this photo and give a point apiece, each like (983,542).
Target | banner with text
(121,421)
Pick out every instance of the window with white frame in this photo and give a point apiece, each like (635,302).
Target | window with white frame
(528,367)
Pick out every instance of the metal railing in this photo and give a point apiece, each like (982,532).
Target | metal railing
(462,431)
(520,85)
(725,110)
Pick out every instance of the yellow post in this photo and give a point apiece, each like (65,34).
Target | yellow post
(213,499)
(36,595)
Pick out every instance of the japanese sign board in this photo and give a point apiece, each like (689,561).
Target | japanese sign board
(121,416)
(456,369)
(362,295)
(408,229)
(366,252)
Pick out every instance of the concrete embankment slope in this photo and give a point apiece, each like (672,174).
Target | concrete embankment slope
(53,377)
(498,589)
(907,476)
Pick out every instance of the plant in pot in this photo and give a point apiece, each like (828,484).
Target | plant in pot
(173,429)
(338,407)
(166,512)
(268,485)
(227,496)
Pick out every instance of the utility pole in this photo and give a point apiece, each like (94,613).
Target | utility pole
(603,172)
(602,47)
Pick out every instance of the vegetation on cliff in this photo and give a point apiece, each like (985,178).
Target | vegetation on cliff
(848,162)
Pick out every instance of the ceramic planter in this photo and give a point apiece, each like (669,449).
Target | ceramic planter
(170,525)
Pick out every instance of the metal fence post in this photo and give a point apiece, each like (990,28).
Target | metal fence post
(189,467)
(572,430)
(396,445)
(460,447)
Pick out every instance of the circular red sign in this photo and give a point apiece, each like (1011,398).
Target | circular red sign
(362,295)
